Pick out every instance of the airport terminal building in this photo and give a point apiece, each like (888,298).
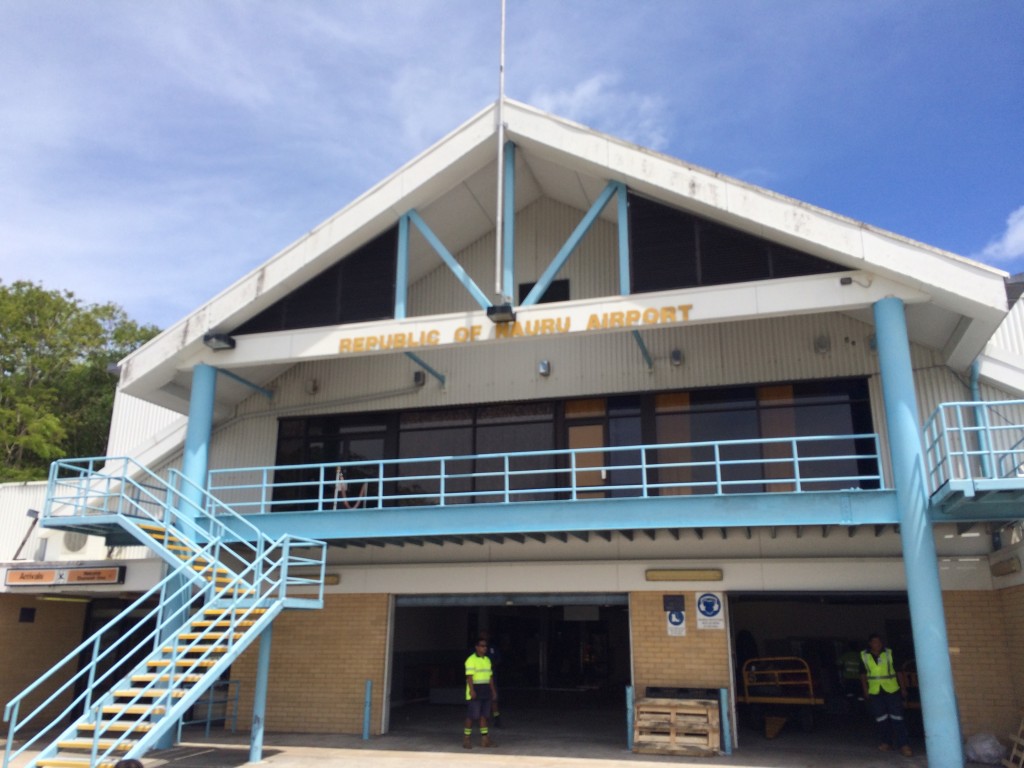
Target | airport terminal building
(638,421)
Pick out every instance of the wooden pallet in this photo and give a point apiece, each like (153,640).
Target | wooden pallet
(676,727)
(1016,759)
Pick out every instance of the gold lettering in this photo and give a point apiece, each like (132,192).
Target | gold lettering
(650,316)
(685,309)
(359,344)
(594,322)
(668,314)
(616,320)
(564,323)
(632,317)
(371,343)
(547,325)
(345,345)
(433,337)
(503,330)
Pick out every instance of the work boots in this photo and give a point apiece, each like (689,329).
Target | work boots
(486,741)
(467,742)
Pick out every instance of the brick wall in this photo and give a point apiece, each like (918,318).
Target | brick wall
(698,660)
(980,633)
(319,664)
(29,649)
(1012,605)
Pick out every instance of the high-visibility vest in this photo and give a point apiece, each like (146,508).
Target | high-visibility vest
(479,669)
(881,673)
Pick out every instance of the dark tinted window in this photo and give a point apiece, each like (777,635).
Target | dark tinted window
(358,288)
(673,249)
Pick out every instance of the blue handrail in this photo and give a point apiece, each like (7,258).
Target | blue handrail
(972,441)
(793,464)
(252,590)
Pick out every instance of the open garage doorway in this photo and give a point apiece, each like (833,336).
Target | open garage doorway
(562,663)
(796,660)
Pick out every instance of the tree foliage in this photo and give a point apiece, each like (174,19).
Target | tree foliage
(56,394)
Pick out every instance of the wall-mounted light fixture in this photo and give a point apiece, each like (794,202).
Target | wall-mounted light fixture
(822,344)
(683,574)
(501,313)
(676,357)
(219,341)
(544,367)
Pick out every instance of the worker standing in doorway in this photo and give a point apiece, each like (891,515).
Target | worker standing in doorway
(480,692)
(885,693)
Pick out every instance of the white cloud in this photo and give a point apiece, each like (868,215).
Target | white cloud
(1010,245)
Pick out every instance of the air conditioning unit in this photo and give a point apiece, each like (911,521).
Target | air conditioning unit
(70,545)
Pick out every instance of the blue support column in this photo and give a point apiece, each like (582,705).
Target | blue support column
(623,210)
(259,704)
(402,270)
(194,463)
(924,592)
(508,248)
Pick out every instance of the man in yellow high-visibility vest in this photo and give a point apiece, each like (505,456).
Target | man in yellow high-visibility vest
(885,692)
(480,692)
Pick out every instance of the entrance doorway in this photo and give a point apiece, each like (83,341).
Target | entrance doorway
(817,632)
(561,664)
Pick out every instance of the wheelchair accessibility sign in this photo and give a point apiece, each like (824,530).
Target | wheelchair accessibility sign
(709,611)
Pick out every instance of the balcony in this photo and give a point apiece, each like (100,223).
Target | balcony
(974,456)
(819,480)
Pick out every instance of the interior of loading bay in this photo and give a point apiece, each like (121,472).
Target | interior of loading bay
(563,668)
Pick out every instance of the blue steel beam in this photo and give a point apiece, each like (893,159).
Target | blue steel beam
(622,199)
(508,248)
(235,377)
(843,508)
(200,426)
(402,268)
(924,591)
(422,364)
(570,245)
(461,275)
(643,350)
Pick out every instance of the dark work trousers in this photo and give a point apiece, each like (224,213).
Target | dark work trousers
(887,710)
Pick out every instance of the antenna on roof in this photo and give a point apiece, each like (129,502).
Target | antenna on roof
(499,223)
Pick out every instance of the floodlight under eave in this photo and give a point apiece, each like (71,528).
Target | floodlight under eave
(219,341)
(501,313)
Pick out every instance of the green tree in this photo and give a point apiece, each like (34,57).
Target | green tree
(56,395)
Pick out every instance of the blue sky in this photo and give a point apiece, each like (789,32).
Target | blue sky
(151,153)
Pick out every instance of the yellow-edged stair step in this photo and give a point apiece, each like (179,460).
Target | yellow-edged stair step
(134,709)
(146,693)
(164,663)
(103,744)
(195,648)
(120,725)
(186,636)
(71,762)
(151,678)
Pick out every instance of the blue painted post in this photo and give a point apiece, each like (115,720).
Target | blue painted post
(402,269)
(630,700)
(367,699)
(508,248)
(194,463)
(194,469)
(723,705)
(259,704)
(981,420)
(623,210)
(924,592)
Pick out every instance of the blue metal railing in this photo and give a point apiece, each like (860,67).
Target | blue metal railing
(250,580)
(790,464)
(972,441)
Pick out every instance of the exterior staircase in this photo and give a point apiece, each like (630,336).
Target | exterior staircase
(123,690)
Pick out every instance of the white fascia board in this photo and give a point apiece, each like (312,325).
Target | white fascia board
(968,287)
(418,182)
(1002,369)
(712,304)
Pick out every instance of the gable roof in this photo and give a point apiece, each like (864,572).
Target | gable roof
(958,303)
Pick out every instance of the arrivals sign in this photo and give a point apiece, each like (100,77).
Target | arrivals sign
(76,576)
